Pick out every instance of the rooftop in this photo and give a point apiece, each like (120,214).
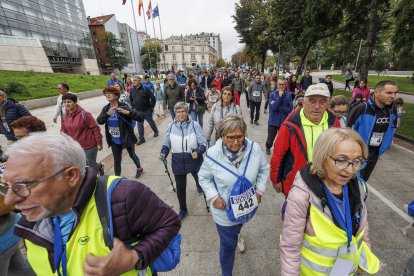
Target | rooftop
(100,20)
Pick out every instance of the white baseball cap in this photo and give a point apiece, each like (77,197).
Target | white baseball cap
(318,89)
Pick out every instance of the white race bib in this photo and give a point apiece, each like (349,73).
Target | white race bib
(244,203)
(256,93)
(114,131)
(376,139)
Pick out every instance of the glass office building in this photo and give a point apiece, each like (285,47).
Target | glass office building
(60,25)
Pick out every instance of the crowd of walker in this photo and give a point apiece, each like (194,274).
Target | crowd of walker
(76,221)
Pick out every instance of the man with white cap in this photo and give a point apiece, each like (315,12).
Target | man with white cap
(298,134)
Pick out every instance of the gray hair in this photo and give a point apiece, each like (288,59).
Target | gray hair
(136,77)
(2,93)
(231,123)
(170,76)
(181,105)
(61,148)
(327,143)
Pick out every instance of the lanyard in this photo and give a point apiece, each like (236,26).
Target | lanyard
(347,224)
(59,248)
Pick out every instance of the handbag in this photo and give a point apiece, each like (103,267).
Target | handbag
(200,108)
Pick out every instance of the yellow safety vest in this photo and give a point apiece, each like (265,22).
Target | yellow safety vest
(86,238)
(320,252)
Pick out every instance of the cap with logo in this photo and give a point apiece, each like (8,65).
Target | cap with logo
(318,89)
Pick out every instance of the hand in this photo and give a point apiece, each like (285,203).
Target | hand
(219,203)
(100,147)
(280,93)
(162,157)
(55,120)
(123,111)
(278,186)
(118,261)
(259,198)
(194,155)
(111,111)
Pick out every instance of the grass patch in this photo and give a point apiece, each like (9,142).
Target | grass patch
(41,85)
(407,122)
(405,84)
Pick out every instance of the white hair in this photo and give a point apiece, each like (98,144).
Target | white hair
(61,148)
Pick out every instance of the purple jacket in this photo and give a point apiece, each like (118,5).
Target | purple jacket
(136,210)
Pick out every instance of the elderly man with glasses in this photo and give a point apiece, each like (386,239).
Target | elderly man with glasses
(63,231)
(173,93)
(63,89)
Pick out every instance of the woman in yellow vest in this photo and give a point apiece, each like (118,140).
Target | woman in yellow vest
(325,227)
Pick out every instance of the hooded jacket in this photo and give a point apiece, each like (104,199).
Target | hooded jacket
(12,111)
(173,95)
(290,151)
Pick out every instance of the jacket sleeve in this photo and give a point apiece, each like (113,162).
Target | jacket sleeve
(293,230)
(187,97)
(354,115)
(286,105)
(206,179)
(148,216)
(182,93)
(166,146)
(58,108)
(283,142)
(201,140)
(210,123)
(22,110)
(103,117)
(274,101)
(263,174)
(165,99)
(91,123)
(133,114)
(63,127)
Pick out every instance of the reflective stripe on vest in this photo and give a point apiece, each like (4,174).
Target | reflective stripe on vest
(87,238)
(320,252)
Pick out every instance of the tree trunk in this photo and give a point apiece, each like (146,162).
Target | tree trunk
(263,61)
(372,31)
(302,59)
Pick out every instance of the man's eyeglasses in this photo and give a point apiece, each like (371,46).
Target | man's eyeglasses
(281,84)
(237,138)
(23,189)
(338,112)
(342,164)
(170,79)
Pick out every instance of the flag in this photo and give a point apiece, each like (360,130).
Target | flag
(155,12)
(140,7)
(149,10)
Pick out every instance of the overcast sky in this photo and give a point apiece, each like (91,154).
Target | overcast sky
(177,17)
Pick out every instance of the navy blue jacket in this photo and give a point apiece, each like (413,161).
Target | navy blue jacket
(279,108)
(13,111)
(200,97)
(362,119)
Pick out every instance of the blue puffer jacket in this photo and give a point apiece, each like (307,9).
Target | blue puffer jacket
(13,111)
(279,108)
(181,139)
(362,119)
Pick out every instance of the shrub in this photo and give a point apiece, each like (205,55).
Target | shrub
(16,88)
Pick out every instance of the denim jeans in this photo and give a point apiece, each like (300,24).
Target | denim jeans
(91,155)
(198,117)
(172,113)
(147,115)
(228,244)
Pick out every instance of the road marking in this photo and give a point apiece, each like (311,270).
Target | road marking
(391,205)
(394,144)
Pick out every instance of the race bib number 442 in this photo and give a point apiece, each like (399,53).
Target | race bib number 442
(244,203)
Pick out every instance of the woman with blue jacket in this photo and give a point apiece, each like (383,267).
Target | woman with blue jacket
(280,105)
(220,174)
(186,141)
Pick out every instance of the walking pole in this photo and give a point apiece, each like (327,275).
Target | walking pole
(205,200)
(168,173)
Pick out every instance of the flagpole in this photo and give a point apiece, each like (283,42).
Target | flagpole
(159,21)
(146,31)
(136,31)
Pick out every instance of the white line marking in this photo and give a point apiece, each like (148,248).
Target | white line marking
(394,144)
(390,204)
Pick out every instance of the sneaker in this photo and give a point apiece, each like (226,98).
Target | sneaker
(101,169)
(156,134)
(267,151)
(256,123)
(199,190)
(140,142)
(140,172)
(182,214)
(240,244)
(251,121)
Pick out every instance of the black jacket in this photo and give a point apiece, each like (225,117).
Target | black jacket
(142,99)
(12,111)
(126,130)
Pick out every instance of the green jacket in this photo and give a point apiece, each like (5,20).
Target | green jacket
(173,95)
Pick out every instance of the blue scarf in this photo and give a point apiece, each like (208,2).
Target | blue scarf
(235,157)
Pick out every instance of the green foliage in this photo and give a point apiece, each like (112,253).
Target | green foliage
(113,50)
(221,63)
(15,89)
(404,34)
(150,53)
(40,85)
(404,83)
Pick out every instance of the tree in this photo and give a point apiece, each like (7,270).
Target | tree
(113,50)
(403,34)
(151,53)
(221,63)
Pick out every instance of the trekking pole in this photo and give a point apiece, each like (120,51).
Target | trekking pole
(205,200)
(164,161)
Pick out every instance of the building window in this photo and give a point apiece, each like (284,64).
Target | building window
(193,57)
(202,57)
(202,49)
(192,49)
(173,48)
(174,57)
(166,48)
(183,56)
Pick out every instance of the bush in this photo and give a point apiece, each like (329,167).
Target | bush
(16,88)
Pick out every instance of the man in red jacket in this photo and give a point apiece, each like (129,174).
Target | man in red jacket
(298,134)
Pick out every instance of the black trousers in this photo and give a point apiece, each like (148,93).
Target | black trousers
(271,135)
(255,106)
(247,98)
(117,153)
(347,84)
(369,168)
(181,182)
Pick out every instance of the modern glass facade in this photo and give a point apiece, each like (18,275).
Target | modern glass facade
(60,25)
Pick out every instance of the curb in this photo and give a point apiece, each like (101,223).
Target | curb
(405,138)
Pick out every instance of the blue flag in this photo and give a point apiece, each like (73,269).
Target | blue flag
(155,12)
